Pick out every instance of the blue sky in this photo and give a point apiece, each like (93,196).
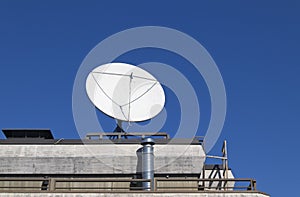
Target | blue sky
(254,43)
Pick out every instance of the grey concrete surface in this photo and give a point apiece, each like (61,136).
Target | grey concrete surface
(96,159)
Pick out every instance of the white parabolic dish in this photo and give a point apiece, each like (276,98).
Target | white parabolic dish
(125,92)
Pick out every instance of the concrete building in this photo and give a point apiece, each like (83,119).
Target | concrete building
(33,163)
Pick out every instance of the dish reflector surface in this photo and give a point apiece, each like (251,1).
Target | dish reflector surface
(125,92)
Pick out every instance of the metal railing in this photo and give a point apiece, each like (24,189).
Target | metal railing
(232,184)
(119,135)
(124,184)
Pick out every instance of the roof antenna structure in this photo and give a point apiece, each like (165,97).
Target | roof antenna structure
(118,129)
(125,92)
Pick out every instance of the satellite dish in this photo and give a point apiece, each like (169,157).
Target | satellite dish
(125,92)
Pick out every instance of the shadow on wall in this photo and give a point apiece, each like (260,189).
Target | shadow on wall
(134,185)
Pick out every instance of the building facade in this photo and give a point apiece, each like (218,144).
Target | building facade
(33,163)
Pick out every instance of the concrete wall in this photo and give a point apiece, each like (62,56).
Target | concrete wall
(96,159)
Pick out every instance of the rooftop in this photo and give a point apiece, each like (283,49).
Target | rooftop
(32,160)
(44,136)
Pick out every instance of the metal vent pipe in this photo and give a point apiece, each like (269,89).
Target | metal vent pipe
(148,163)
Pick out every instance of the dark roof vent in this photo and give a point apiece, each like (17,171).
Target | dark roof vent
(28,133)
